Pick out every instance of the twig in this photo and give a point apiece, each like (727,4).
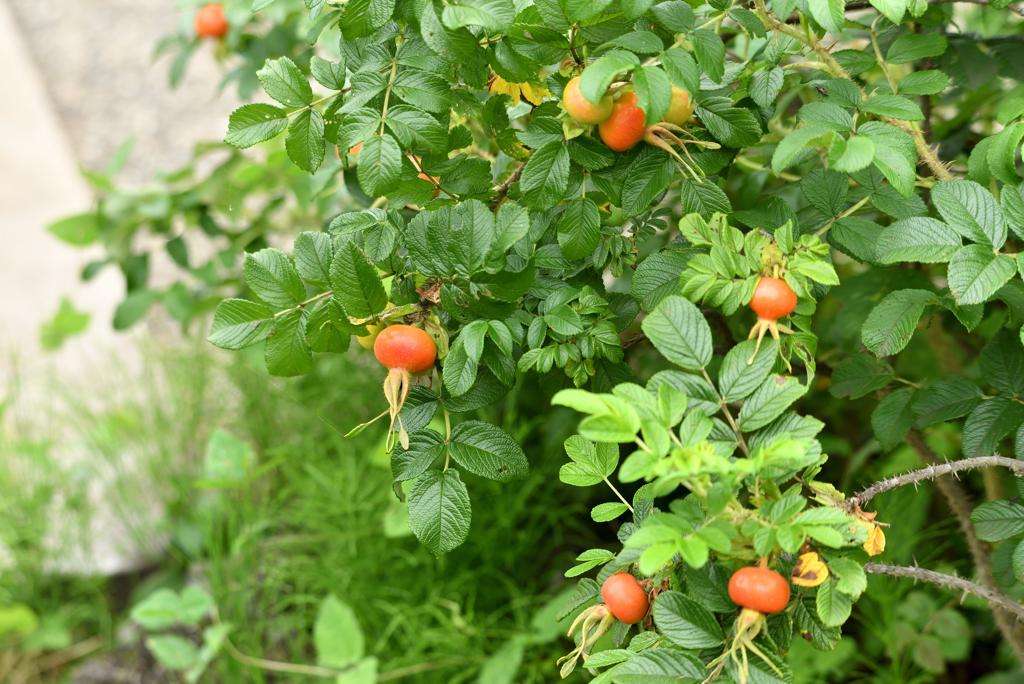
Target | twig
(961,505)
(930,473)
(639,337)
(863,4)
(728,415)
(951,581)
(502,189)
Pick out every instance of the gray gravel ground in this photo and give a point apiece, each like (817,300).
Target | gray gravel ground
(96,57)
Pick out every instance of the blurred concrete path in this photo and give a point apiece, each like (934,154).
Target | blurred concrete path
(96,59)
(39,183)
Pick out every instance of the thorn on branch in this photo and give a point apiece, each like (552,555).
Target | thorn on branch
(950,581)
(930,473)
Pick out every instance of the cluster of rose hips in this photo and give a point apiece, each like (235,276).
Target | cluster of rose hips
(621,123)
(757,590)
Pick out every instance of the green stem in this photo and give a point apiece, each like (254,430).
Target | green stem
(728,415)
(852,210)
(618,494)
(303,305)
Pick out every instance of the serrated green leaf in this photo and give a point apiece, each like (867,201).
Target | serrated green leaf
(975,273)
(970,210)
(920,239)
(679,331)
(488,451)
(859,375)
(685,622)
(439,510)
(272,277)
(255,123)
(891,324)
(355,282)
(284,82)
(769,401)
(546,176)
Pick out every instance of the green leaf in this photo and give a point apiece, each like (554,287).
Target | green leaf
(581,10)
(1002,363)
(892,106)
(910,48)
(172,651)
(975,273)
(546,176)
(892,9)
(313,254)
(657,665)
(424,90)
(737,379)
(599,75)
(833,607)
(425,446)
(676,16)
(998,520)
(891,324)
(653,90)
(287,352)
(769,401)
(789,150)
(239,323)
(284,82)
(685,622)
(494,15)
(851,155)
(579,229)
(459,371)
(322,332)
(859,375)
(379,165)
(989,423)
(607,511)
(825,190)
(305,140)
(657,277)
(648,176)
(831,14)
(678,330)
(637,42)
(564,320)
(709,50)
(765,86)
(895,154)
(355,282)
(732,126)
(921,239)
(330,75)
(159,610)
(439,510)
(1002,153)
(893,417)
(271,277)
(79,230)
(970,210)
(251,124)
(590,463)
(951,398)
(336,634)
(416,128)
(681,68)
(488,451)
(856,237)
(918,83)
(67,322)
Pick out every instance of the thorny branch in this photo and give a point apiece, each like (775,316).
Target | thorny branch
(951,581)
(930,473)
(960,503)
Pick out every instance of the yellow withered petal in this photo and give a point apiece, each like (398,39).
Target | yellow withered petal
(533,94)
(809,571)
(876,541)
(501,86)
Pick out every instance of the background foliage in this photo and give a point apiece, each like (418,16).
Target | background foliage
(878,174)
